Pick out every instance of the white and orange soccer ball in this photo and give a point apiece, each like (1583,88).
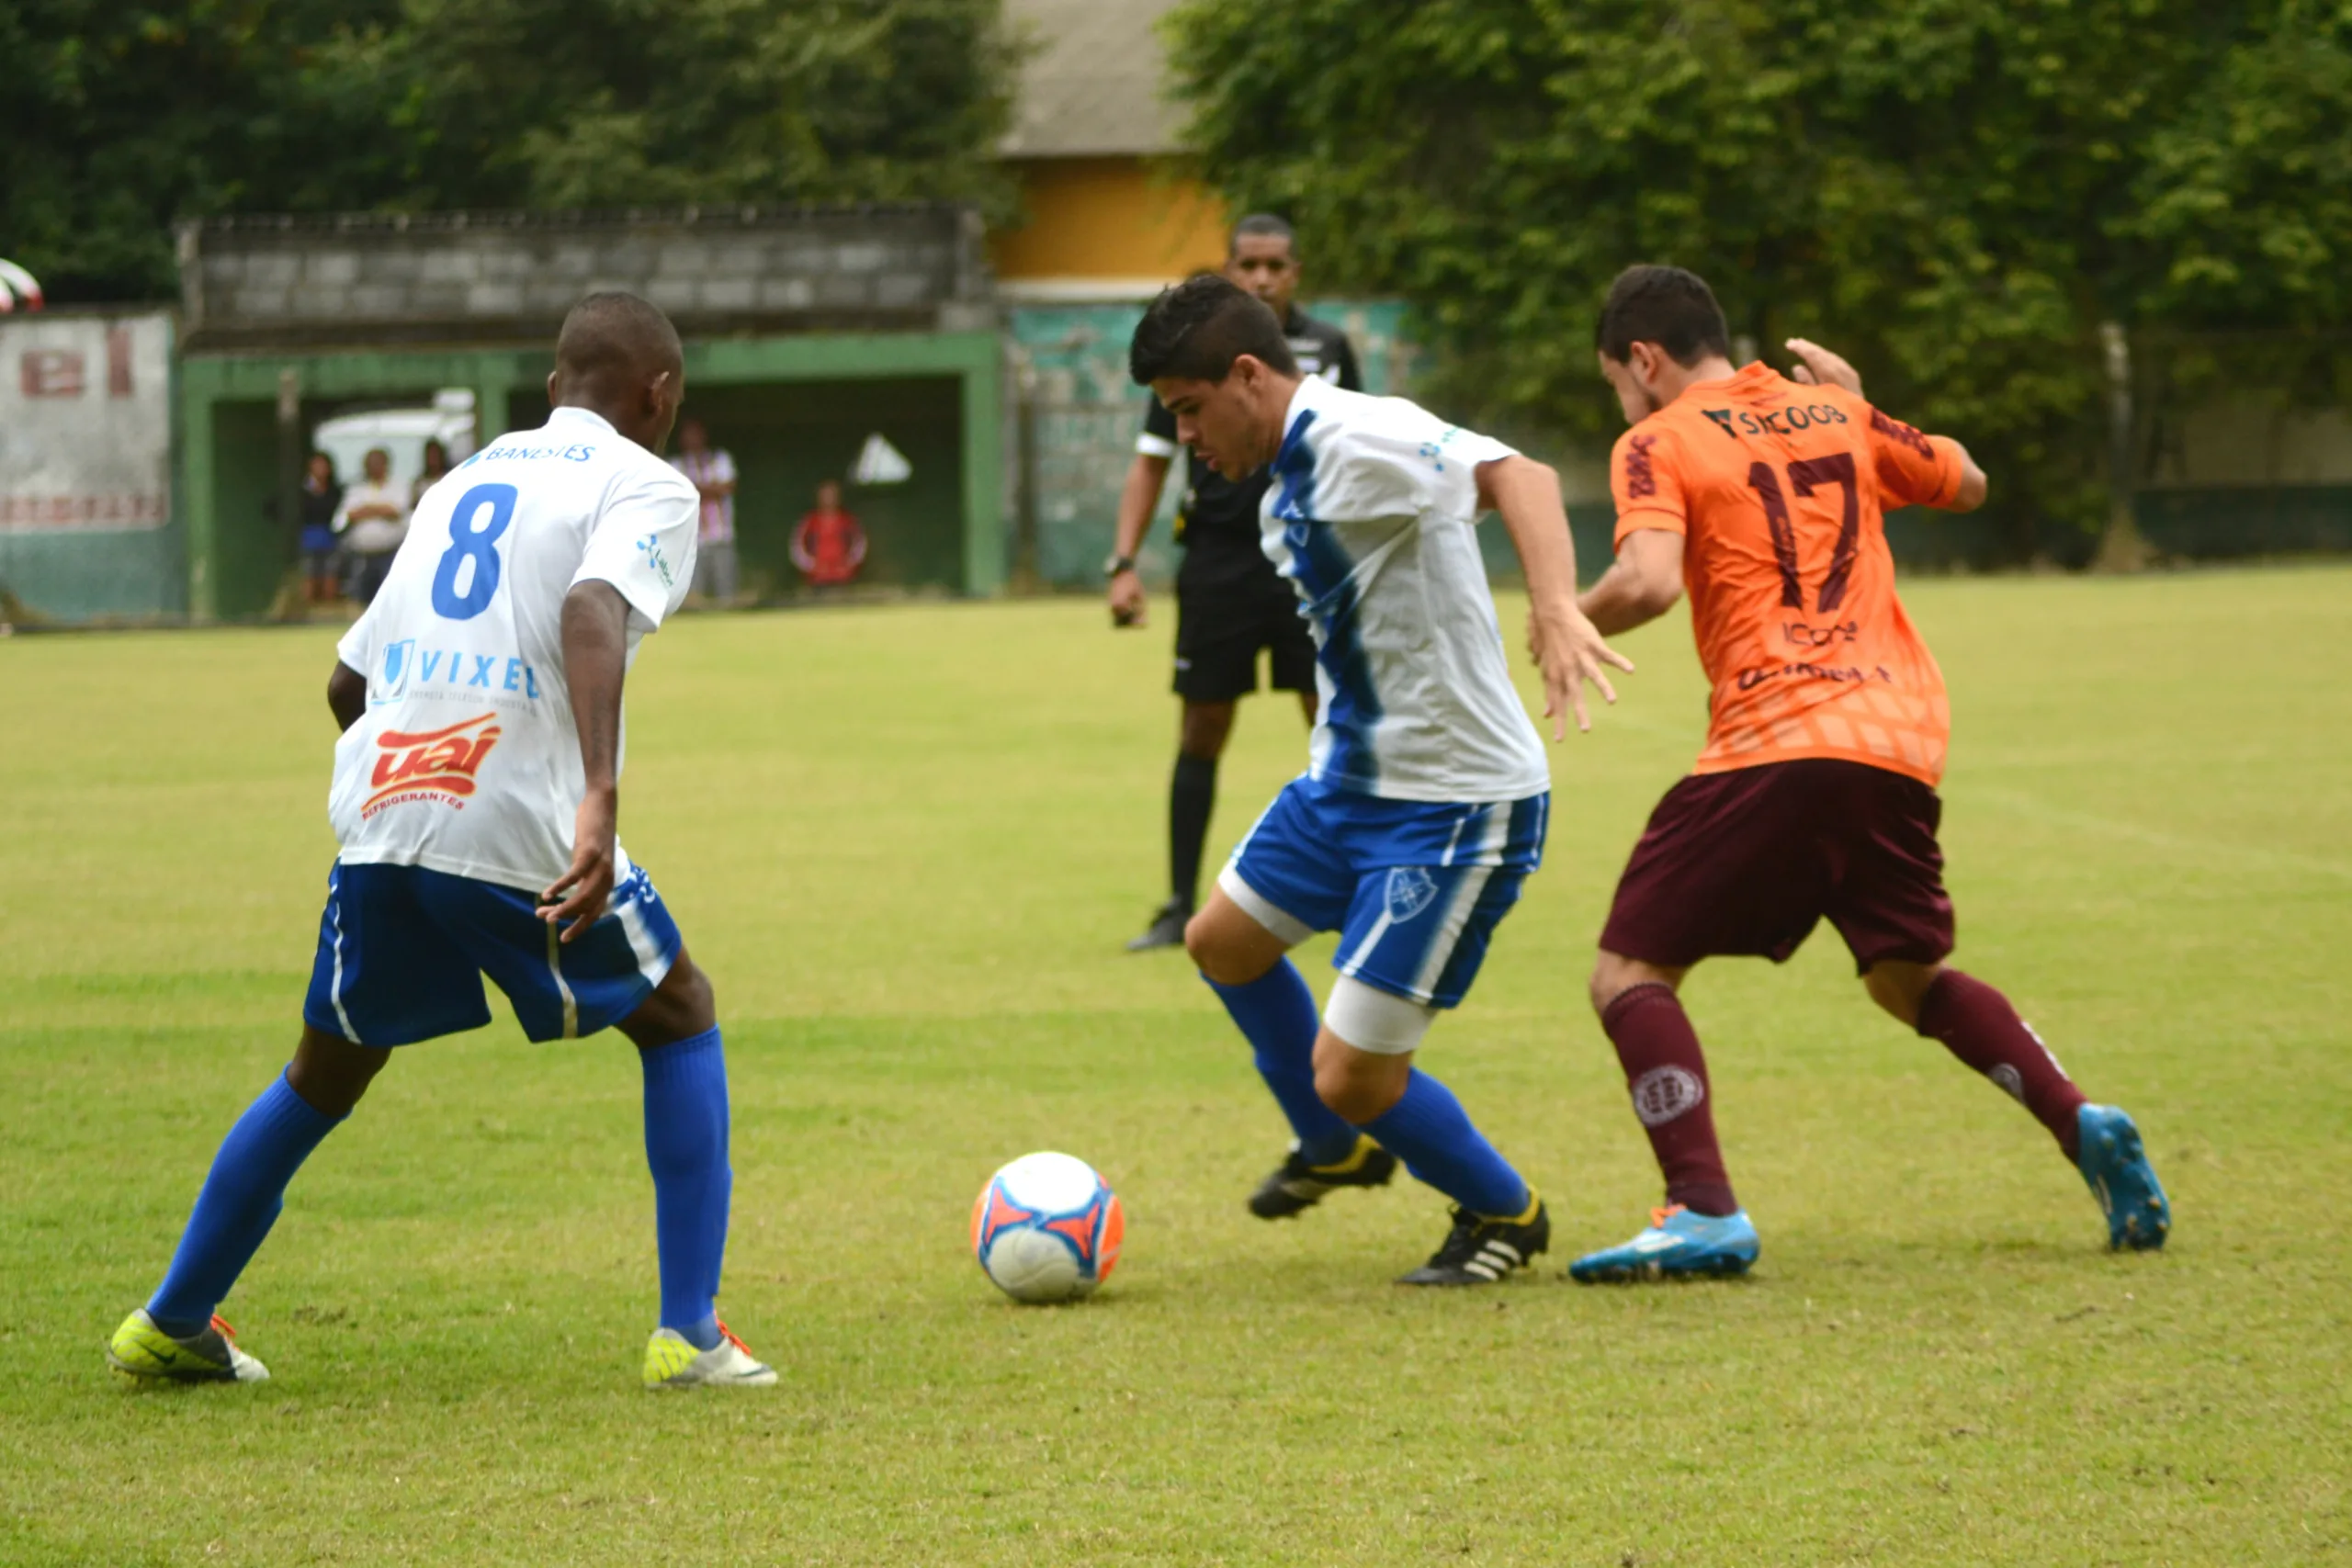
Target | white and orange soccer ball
(1047,1228)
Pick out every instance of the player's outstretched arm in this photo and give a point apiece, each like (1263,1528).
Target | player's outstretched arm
(1642,583)
(596,659)
(1566,646)
(1138,498)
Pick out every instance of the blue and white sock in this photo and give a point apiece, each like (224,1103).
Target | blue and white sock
(686,1147)
(1276,1012)
(1432,1134)
(241,1196)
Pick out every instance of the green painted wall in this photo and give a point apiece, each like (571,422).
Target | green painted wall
(252,551)
(786,436)
(792,409)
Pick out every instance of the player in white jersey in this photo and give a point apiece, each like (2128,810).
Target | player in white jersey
(475,798)
(1423,805)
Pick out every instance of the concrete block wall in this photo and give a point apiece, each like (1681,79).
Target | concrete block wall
(482,276)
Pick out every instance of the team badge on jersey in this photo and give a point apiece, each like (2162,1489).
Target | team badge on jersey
(399,659)
(1410,889)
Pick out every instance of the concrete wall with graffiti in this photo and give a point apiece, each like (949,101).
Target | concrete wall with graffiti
(87,528)
(1082,414)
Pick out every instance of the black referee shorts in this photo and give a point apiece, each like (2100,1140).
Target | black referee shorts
(1219,631)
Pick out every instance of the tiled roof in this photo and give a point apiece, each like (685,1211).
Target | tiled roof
(1093,84)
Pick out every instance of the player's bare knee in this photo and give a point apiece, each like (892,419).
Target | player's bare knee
(1364,1054)
(1613,975)
(330,1074)
(1353,1099)
(1900,987)
(1219,958)
(690,986)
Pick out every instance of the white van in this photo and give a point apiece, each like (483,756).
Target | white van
(402,432)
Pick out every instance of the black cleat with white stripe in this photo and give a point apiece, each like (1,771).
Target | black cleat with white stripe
(1298,1186)
(1481,1250)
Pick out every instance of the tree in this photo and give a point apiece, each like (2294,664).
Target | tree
(601,103)
(116,120)
(1956,192)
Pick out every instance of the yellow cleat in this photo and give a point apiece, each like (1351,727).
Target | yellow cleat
(142,1350)
(672,1361)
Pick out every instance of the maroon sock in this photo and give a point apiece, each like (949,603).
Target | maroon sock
(1977,1024)
(1666,1073)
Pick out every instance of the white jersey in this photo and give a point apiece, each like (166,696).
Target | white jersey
(1373,516)
(466,760)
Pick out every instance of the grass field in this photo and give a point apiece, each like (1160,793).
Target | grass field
(907,844)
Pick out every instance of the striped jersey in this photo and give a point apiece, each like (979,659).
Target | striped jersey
(1372,517)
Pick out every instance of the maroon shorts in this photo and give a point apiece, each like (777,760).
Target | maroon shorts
(1746,863)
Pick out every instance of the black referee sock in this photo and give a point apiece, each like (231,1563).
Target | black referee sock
(1192,796)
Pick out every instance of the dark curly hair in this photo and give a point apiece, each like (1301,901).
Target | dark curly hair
(1196,330)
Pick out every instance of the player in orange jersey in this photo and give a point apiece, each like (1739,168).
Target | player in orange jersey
(1815,794)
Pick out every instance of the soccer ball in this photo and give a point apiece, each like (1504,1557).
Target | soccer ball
(1046,1228)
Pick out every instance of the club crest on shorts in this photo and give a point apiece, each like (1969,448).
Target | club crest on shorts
(1410,890)
(1664,1094)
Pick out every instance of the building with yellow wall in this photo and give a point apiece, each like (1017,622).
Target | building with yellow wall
(1108,214)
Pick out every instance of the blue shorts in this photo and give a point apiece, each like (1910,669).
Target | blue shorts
(1415,889)
(402,950)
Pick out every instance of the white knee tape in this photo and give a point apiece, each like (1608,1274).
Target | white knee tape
(1375,1020)
(1288,926)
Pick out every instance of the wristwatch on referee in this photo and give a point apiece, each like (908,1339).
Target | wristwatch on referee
(1117,564)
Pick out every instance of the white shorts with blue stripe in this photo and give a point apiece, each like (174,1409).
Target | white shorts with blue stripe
(1415,889)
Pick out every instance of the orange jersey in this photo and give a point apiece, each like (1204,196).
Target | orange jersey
(1779,492)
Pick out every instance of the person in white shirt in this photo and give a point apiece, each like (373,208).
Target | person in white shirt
(372,520)
(712,471)
(475,797)
(1424,803)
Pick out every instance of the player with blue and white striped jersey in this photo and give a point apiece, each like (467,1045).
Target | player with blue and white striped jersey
(1424,803)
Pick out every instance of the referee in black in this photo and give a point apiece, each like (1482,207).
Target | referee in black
(1229,602)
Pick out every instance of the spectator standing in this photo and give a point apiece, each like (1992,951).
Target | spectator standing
(437,468)
(711,470)
(372,520)
(322,498)
(828,546)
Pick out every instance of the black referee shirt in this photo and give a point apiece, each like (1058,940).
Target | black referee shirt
(1217,522)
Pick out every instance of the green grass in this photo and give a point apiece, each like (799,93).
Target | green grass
(907,843)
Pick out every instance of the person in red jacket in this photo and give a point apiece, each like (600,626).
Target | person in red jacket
(828,546)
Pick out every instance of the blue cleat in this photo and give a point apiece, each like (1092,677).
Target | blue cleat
(1678,1245)
(2120,1177)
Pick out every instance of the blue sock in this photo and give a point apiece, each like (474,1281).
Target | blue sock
(1431,1133)
(1276,1011)
(240,1201)
(685,1146)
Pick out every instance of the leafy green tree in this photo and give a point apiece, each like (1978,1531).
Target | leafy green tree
(587,103)
(1955,192)
(117,120)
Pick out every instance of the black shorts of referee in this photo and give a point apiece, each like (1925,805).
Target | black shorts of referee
(1222,627)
